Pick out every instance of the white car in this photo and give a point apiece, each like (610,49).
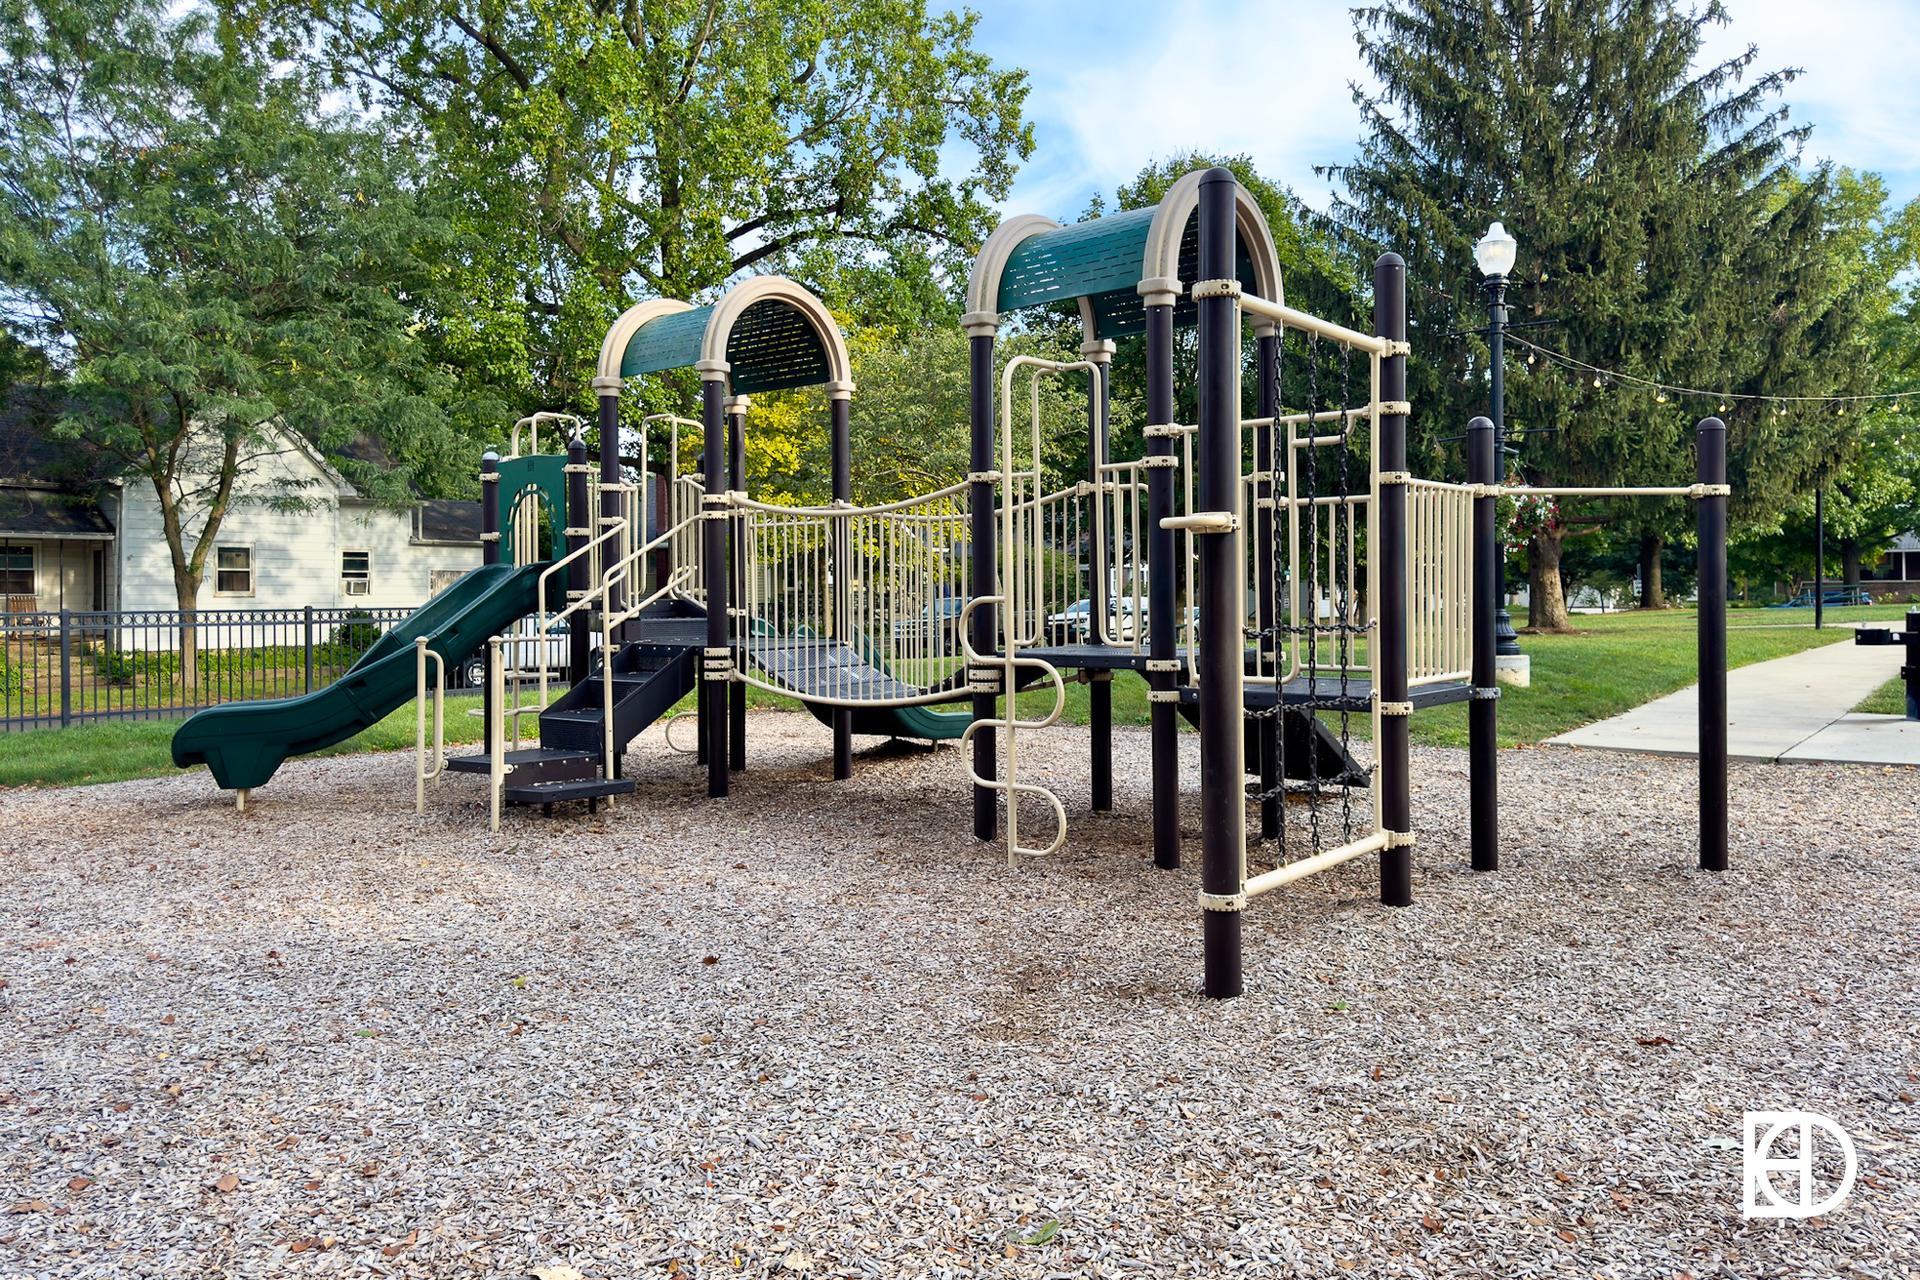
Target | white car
(1072,625)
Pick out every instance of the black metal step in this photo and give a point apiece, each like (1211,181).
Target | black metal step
(575,789)
(576,722)
(533,764)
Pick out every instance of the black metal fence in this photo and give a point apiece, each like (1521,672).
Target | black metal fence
(72,666)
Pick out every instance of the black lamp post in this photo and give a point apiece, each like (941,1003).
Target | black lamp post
(1494,255)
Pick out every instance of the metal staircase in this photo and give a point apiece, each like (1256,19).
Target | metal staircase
(647,679)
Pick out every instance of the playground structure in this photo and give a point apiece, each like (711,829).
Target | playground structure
(1278,579)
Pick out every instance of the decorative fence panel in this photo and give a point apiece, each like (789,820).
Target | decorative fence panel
(73,666)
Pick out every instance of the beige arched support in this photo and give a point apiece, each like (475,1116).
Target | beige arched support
(734,303)
(1160,264)
(613,349)
(982,319)
(983,284)
(1160,281)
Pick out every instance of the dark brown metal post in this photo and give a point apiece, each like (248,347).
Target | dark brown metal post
(1220,658)
(982,570)
(841,407)
(1483,729)
(1100,597)
(489,554)
(1396,719)
(1710,514)
(1163,577)
(716,661)
(737,569)
(579,528)
(608,391)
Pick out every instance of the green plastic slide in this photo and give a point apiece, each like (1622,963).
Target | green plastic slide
(243,743)
(921,722)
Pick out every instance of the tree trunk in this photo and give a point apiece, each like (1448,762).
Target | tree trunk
(1850,561)
(1546,602)
(186,596)
(1652,594)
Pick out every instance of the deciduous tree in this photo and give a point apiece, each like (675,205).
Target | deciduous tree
(218,273)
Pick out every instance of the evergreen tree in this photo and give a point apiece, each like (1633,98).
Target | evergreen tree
(1664,230)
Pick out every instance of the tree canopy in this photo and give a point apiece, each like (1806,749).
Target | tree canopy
(215,269)
(597,153)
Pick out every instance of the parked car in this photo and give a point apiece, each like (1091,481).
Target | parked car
(1073,624)
(1831,599)
(939,623)
(471,671)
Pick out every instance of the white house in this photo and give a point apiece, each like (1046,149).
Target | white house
(75,536)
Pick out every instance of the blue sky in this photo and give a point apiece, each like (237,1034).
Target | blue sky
(1120,82)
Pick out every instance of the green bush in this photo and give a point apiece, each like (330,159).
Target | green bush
(12,683)
(354,636)
(112,665)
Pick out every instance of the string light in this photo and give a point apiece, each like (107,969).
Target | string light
(1662,390)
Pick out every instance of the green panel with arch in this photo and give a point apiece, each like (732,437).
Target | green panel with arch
(545,473)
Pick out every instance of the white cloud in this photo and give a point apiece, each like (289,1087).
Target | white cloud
(1861,83)
(1129,82)
(1133,85)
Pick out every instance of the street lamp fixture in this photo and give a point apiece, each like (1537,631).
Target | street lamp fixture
(1494,254)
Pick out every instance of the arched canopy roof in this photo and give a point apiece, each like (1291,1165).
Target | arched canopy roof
(1111,263)
(769,331)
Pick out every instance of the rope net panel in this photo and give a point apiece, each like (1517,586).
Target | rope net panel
(1310,683)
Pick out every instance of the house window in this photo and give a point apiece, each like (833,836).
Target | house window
(439,580)
(16,570)
(233,571)
(356,572)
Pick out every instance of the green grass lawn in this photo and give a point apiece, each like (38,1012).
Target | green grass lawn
(113,751)
(1890,699)
(1613,662)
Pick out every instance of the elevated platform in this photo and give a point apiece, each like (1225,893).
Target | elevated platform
(1326,693)
(1090,657)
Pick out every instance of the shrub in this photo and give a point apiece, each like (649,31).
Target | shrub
(354,636)
(115,666)
(12,683)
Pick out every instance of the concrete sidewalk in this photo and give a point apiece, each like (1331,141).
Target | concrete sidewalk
(1791,708)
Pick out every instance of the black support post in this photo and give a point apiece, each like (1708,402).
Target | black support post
(716,659)
(1266,601)
(1820,555)
(1483,729)
(737,568)
(1163,578)
(1710,514)
(1220,658)
(841,407)
(1099,599)
(1396,720)
(489,554)
(579,523)
(608,390)
(66,662)
(982,571)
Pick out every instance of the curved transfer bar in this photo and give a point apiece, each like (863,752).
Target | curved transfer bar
(1011,786)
